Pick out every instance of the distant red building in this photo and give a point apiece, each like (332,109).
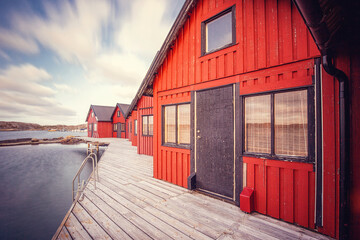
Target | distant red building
(145,120)
(99,121)
(118,120)
(132,125)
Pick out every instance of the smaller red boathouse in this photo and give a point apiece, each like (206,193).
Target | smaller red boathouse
(99,121)
(118,120)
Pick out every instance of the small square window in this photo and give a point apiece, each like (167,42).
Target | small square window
(218,32)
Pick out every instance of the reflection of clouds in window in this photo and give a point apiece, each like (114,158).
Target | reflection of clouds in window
(219,32)
(184,124)
(170,130)
(291,133)
(257,124)
(151,125)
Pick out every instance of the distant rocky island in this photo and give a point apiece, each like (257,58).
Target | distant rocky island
(21,126)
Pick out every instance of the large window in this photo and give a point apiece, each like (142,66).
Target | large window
(176,125)
(276,124)
(95,126)
(147,125)
(135,127)
(115,127)
(218,31)
(122,127)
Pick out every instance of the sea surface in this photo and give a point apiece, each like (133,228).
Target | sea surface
(35,187)
(7,135)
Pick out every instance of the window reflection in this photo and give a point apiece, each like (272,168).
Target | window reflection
(291,131)
(219,32)
(184,124)
(257,124)
(170,124)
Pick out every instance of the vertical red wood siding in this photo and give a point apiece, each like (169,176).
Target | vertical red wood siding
(273,50)
(104,129)
(133,135)
(117,119)
(127,129)
(145,143)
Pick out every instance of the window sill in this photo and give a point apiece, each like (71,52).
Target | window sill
(173,145)
(278,157)
(218,49)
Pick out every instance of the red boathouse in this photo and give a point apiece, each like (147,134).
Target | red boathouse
(132,124)
(145,119)
(118,120)
(246,96)
(99,121)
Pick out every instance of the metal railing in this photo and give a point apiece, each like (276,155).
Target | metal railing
(81,186)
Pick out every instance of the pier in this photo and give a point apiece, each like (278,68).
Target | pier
(128,203)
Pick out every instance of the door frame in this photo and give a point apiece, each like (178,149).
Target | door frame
(238,163)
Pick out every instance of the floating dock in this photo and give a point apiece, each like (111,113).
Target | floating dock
(128,203)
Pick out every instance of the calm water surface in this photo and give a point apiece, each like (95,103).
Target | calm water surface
(7,135)
(35,188)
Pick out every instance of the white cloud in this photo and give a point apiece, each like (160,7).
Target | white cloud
(15,41)
(22,94)
(144,28)
(64,88)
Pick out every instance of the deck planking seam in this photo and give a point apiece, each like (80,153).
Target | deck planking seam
(105,223)
(134,217)
(141,209)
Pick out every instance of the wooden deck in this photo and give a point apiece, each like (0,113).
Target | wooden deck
(129,204)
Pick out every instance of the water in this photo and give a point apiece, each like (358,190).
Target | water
(7,135)
(35,188)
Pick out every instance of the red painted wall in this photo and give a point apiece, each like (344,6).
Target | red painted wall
(133,135)
(104,129)
(145,143)
(117,119)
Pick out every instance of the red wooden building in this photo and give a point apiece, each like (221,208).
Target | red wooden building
(145,119)
(118,120)
(246,96)
(132,126)
(99,121)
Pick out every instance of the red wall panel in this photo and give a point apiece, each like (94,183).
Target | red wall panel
(145,143)
(283,190)
(133,135)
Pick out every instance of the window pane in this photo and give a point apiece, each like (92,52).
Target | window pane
(184,124)
(291,131)
(257,124)
(122,126)
(219,32)
(145,125)
(170,124)
(135,127)
(151,125)
(95,127)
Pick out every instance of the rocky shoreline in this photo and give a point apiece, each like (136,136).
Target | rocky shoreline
(34,141)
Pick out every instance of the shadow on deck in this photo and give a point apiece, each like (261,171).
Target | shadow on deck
(128,203)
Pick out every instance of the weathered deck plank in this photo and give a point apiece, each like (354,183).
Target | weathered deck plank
(129,204)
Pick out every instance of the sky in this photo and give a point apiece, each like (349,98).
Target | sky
(59,56)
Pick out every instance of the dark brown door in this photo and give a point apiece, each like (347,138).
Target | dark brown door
(119,130)
(214,136)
